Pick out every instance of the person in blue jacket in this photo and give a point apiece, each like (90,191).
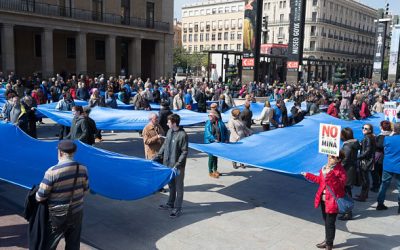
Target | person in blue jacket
(215,131)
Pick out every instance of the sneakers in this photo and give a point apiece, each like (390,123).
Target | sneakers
(381,207)
(97,140)
(176,212)
(216,174)
(165,207)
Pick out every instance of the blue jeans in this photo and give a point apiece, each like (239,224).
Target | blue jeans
(386,179)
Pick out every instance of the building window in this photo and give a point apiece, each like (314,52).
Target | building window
(201,37)
(125,11)
(233,23)
(220,24)
(312,45)
(71,48)
(208,11)
(281,17)
(314,2)
(239,35)
(195,37)
(195,48)
(213,47)
(201,48)
(65,8)
(150,14)
(219,47)
(225,46)
(313,31)
(97,14)
(234,9)
(226,36)
(100,49)
(240,8)
(214,25)
(190,37)
(214,11)
(38,45)
(219,36)
(184,38)
(28,5)
(185,14)
(284,4)
(227,9)
(239,47)
(314,16)
(280,32)
(213,37)
(226,24)
(232,35)
(190,49)
(240,23)
(220,10)
(207,37)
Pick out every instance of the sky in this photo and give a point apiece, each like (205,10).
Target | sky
(393,4)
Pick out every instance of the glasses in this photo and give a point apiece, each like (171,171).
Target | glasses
(363,128)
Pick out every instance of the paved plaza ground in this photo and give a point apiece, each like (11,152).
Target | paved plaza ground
(244,209)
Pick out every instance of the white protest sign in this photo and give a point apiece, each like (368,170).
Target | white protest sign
(329,139)
(390,111)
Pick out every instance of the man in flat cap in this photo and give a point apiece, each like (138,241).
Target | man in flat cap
(63,187)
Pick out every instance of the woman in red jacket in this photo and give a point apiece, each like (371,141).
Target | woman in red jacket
(333,175)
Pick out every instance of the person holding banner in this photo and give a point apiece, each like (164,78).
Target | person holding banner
(367,160)
(350,149)
(331,180)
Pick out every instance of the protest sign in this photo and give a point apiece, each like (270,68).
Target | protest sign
(390,111)
(329,139)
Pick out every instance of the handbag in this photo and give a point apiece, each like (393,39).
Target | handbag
(60,214)
(345,204)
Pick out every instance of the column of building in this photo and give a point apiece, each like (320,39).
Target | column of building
(7,48)
(135,57)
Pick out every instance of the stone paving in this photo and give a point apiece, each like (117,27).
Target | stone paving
(243,209)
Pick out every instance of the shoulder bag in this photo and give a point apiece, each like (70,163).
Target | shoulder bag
(345,204)
(60,214)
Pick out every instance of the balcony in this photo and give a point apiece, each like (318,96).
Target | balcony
(341,25)
(50,10)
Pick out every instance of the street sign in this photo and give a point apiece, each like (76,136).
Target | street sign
(293,65)
(248,62)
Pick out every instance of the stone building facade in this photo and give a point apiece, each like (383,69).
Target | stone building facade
(87,37)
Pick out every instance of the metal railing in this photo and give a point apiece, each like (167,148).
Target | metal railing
(336,51)
(44,9)
(327,21)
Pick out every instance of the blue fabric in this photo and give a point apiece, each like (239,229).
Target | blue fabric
(115,119)
(290,150)
(391,161)
(24,161)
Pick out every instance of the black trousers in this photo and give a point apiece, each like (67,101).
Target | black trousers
(265,127)
(376,175)
(71,233)
(364,174)
(330,225)
(64,131)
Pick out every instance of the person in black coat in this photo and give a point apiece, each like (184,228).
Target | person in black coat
(201,100)
(247,115)
(376,174)
(367,159)
(163,114)
(350,149)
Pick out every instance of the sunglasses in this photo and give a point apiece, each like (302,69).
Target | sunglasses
(365,128)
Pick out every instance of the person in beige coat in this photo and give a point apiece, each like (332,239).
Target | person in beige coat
(153,137)
(238,130)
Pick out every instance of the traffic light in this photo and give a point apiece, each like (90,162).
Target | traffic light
(387,9)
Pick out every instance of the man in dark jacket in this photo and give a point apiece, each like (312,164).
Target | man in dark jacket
(79,126)
(200,98)
(247,115)
(173,153)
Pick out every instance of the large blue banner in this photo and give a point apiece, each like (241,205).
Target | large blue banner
(291,150)
(24,161)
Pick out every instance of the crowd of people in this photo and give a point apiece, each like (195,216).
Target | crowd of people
(357,163)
